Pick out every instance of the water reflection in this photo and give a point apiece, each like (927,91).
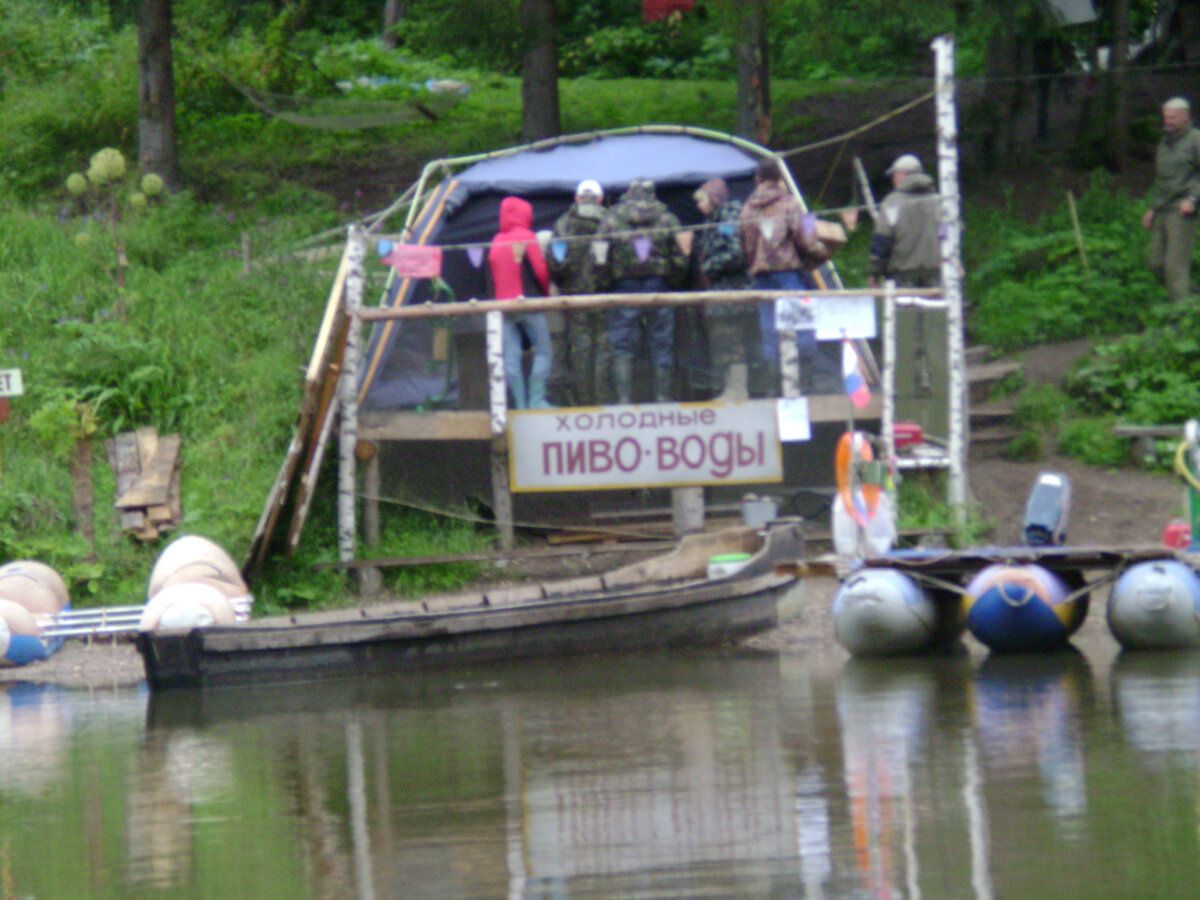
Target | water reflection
(34,733)
(1029,709)
(1157,697)
(672,775)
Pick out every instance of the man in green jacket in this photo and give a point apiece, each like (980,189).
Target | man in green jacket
(1171,217)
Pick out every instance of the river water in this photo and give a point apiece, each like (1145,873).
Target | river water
(690,774)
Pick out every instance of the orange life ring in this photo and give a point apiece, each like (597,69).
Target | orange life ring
(860,499)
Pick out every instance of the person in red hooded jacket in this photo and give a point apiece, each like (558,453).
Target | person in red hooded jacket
(518,270)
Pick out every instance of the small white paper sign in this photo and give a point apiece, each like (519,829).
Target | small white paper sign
(795,314)
(850,317)
(792,415)
(11,384)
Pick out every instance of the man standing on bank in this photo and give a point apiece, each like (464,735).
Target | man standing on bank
(1171,217)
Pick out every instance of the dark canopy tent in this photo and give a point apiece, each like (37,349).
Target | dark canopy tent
(402,369)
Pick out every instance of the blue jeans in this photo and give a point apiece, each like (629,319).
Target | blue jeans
(623,322)
(792,280)
(536,329)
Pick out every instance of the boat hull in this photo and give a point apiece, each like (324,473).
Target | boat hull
(1156,605)
(627,609)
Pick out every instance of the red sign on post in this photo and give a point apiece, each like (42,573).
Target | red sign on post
(415,260)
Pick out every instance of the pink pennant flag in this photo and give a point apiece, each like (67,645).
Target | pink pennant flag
(856,384)
(641,246)
(415,260)
(475,255)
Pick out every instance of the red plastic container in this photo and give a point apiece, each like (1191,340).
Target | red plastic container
(907,434)
(1177,534)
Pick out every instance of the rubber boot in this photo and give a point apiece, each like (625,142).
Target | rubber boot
(537,394)
(662,384)
(516,387)
(622,368)
(736,377)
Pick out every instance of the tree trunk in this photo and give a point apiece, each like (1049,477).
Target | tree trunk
(1119,135)
(753,74)
(539,72)
(1189,29)
(156,92)
(393,12)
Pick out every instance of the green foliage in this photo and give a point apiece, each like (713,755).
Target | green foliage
(1029,284)
(1148,378)
(1092,440)
(921,504)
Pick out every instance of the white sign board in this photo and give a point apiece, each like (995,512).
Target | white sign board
(832,318)
(10,383)
(644,445)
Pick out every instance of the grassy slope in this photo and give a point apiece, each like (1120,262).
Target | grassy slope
(218,353)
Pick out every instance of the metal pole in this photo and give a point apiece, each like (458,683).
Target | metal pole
(947,133)
(348,397)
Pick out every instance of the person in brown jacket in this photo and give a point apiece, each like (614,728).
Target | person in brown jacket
(781,253)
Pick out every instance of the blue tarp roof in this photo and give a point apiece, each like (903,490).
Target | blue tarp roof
(612,159)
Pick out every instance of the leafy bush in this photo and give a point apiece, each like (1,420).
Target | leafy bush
(1029,284)
(1092,440)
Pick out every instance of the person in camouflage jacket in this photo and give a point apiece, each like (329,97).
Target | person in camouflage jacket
(575,269)
(721,263)
(644,256)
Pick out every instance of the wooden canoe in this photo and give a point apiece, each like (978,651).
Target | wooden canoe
(665,601)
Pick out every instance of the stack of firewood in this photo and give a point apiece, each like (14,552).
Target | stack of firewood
(146,467)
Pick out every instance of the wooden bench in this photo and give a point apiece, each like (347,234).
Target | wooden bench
(1143,439)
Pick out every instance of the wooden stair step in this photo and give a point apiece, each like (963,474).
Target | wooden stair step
(977,355)
(991,412)
(981,377)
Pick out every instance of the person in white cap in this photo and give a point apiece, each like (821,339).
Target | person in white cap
(905,248)
(577,268)
(905,245)
(1174,198)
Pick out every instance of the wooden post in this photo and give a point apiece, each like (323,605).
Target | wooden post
(947,134)
(502,505)
(348,397)
(687,509)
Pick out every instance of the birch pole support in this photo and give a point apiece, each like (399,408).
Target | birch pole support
(502,504)
(356,252)
(947,139)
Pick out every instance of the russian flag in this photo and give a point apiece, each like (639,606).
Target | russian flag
(856,384)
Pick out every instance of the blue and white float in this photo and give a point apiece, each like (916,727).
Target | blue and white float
(1156,605)
(1020,608)
(31,593)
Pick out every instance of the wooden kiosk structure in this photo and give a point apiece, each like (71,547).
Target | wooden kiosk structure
(342,372)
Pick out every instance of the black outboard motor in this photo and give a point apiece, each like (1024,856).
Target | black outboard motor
(1047,511)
